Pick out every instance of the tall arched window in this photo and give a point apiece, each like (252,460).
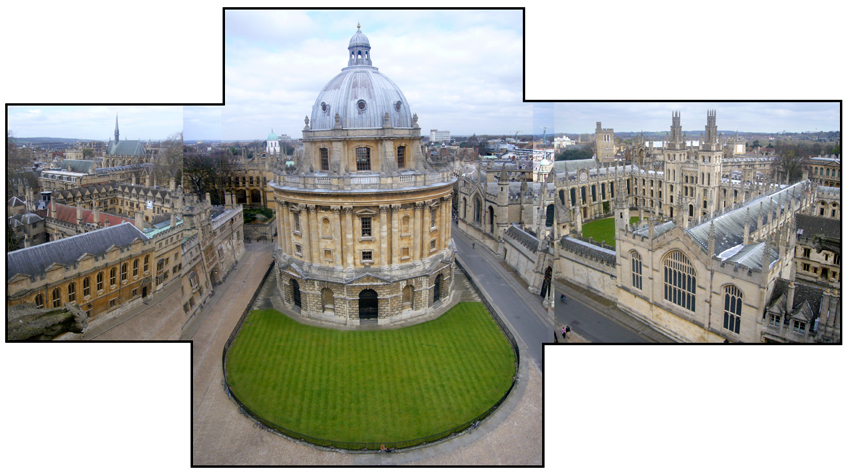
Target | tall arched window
(561,196)
(363,160)
(400,156)
(492,219)
(732,308)
(99,281)
(325,162)
(135,268)
(57,298)
(478,210)
(680,280)
(550,216)
(124,271)
(464,208)
(112,276)
(86,287)
(637,271)
(39,301)
(146,264)
(72,292)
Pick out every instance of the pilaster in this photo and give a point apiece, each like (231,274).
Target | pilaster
(384,236)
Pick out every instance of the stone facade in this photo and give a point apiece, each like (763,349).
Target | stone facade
(364,221)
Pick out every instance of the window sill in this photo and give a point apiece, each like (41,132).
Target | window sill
(366,238)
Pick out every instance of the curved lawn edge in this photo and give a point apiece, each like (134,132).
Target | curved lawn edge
(444,381)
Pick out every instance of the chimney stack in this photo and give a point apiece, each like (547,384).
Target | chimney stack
(140,221)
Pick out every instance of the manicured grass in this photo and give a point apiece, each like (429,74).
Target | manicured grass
(602,230)
(373,385)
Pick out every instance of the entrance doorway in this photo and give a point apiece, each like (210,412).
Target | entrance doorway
(144,291)
(437,288)
(368,304)
(547,281)
(296,292)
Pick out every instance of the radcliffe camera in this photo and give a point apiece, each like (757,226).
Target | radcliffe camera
(370,254)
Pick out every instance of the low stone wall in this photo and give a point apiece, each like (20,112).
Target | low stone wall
(259,231)
(588,266)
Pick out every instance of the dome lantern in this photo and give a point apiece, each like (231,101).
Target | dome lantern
(358,49)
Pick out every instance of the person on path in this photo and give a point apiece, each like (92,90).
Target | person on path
(473,245)
(564,332)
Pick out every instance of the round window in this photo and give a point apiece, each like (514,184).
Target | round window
(324,107)
(398,105)
(361,105)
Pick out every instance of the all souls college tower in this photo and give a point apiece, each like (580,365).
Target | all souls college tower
(364,221)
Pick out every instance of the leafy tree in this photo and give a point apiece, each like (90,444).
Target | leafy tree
(88,152)
(206,173)
(575,154)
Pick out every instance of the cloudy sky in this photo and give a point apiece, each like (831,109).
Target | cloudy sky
(460,70)
(96,122)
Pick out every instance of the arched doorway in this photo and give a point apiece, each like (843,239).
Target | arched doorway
(255,197)
(296,292)
(368,304)
(437,288)
(144,291)
(547,281)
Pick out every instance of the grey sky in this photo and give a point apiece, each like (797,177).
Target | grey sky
(579,117)
(96,122)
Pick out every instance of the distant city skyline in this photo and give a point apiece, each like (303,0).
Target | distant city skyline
(96,122)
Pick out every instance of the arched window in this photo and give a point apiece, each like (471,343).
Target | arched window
(680,280)
(561,196)
(39,301)
(99,281)
(326,227)
(572,196)
(86,287)
(325,163)
(147,258)
(72,292)
(637,271)
(407,298)
(57,298)
(478,210)
(464,208)
(492,218)
(124,271)
(327,300)
(433,217)
(550,216)
(732,309)
(400,156)
(112,275)
(362,158)
(135,268)
(405,224)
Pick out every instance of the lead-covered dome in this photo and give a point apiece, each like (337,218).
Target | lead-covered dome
(360,94)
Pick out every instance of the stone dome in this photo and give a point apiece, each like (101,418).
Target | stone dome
(272,136)
(360,94)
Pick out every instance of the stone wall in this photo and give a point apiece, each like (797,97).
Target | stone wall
(260,231)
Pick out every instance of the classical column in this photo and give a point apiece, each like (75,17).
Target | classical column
(337,239)
(304,221)
(349,237)
(313,234)
(384,236)
(417,231)
(284,234)
(396,208)
(447,220)
(441,231)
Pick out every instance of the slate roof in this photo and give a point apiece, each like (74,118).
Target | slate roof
(77,166)
(575,165)
(68,214)
(589,250)
(659,229)
(807,298)
(126,147)
(729,227)
(34,260)
(527,240)
(15,201)
(812,226)
(24,218)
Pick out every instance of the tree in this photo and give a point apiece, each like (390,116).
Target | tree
(88,152)
(206,173)
(788,164)
(583,153)
(169,163)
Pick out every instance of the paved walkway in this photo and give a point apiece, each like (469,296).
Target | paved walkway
(222,436)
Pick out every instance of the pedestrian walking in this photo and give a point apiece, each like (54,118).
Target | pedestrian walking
(564,332)
(473,245)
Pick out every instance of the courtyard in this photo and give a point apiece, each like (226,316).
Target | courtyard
(363,388)
(602,230)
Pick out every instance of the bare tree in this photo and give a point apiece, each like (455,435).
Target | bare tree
(206,173)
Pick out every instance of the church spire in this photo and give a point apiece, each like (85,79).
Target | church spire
(116,128)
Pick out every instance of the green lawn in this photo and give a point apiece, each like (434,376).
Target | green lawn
(602,230)
(375,385)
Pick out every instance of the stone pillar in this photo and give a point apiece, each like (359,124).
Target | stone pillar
(396,208)
(284,233)
(313,235)
(305,237)
(417,231)
(349,237)
(337,223)
(447,221)
(441,231)
(384,236)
